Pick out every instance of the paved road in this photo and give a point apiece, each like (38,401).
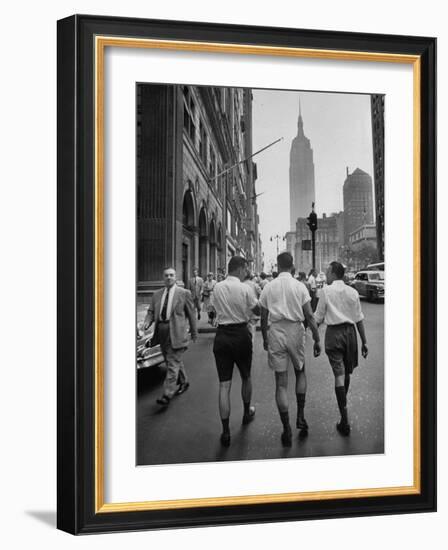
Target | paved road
(188,430)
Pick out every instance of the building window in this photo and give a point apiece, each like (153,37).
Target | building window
(202,143)
(189,114)
(212,164)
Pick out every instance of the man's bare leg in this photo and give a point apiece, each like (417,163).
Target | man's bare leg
(281,398)
(246,395)
(301,385)
(339,386)
(224,410)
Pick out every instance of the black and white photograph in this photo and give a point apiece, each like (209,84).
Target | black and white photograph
(260,274)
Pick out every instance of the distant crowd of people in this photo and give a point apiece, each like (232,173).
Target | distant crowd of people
(286,305)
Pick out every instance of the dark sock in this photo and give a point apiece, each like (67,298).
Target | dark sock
(284,416)
(225,425)
(300,403)
(342,402)
(347,384)
(246,407)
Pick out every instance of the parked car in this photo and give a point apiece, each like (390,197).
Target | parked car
(369,284)
(147,356)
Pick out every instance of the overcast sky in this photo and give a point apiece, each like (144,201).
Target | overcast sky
(339,128)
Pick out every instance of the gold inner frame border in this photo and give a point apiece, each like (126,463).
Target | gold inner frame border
(101,42)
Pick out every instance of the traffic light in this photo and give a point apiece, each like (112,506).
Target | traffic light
(312,221)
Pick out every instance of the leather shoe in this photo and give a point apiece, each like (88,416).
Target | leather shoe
(286,438)
(301,423)
(249,416)
(225,439)
(182,388)
(343,428)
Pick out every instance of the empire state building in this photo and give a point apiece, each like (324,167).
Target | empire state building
(301,176)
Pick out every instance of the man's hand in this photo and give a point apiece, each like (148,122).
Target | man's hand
(147,323)
(364,350)
(194,337)
(265,345)
(317,349)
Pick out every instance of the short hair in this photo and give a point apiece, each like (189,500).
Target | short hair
(169,267)
(263,275)
(274,274)
(302,275)
(235,263)
(285,261)
(337,269)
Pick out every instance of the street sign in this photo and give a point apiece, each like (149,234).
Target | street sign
(306,244)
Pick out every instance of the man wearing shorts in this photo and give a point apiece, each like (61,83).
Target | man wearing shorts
(339,306)
(235,304)
(286,301)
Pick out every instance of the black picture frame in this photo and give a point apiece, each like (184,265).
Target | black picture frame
(76,275)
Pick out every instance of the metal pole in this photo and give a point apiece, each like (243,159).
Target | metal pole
(313,247)
(244,160)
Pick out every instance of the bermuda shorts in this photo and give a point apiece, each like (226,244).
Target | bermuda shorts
(286,344)
(341,347)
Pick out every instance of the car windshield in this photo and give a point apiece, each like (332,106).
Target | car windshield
(376,276)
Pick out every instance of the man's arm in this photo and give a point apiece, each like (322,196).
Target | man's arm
(313,326)
(190,313)
(362,334)
(319,314)
(264,326)
(149,318)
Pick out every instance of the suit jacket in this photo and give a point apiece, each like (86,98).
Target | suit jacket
(182,310)
(196,287)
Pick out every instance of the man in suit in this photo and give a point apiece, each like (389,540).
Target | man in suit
(169,309)
(196,286)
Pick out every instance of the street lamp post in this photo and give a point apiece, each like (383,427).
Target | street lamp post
(277,238)
(312,224)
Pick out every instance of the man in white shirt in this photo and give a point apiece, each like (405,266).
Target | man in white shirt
(235,303)
(287,303)
(340,308)
(169,309)
(196,286)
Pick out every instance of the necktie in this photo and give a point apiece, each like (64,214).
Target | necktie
(165,305)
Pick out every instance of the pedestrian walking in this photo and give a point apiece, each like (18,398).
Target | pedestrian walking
(195,286)
(256,290)
(313,288)
(234,303)
(171,309)
(263,280)
(340,308)
(287,303)
(207,297)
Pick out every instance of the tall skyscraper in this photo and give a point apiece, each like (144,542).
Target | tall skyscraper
(358,201)
(301,176)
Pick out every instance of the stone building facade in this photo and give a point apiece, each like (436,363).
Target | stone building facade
(377,110)
(196,203)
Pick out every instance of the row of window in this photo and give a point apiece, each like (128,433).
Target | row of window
(200,139)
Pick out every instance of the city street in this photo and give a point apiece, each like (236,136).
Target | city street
(189,429)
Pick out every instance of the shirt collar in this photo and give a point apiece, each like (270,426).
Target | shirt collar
(338,281)
(284,274)
(232,278)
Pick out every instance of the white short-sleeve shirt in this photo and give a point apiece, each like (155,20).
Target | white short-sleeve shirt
(284,298)
(338,303)
(233,301)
